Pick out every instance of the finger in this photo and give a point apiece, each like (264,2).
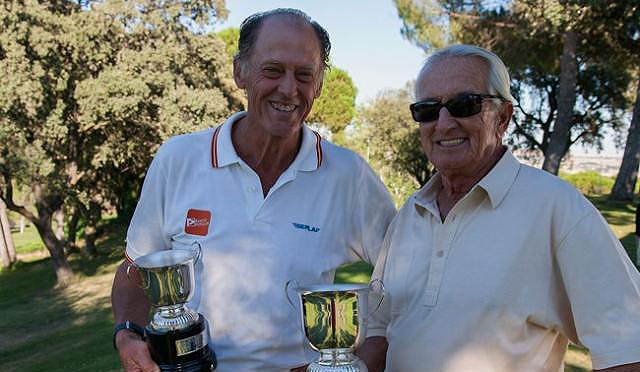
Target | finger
(135,357)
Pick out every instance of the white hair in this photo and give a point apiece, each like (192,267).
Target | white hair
(498,75)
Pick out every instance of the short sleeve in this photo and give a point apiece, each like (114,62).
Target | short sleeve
(379,302)
(603,288)
(145,233)
(372,212)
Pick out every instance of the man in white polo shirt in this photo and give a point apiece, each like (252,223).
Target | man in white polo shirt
(267,199)
(494,265)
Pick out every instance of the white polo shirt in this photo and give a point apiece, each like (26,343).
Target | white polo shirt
(328,208)
(520,265)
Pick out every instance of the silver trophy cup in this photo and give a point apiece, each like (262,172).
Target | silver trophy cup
(334,318)
(177,336)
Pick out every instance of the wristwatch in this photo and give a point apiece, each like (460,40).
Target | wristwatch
(133,327)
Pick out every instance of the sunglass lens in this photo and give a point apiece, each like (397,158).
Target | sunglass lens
(464,106)
(425,111)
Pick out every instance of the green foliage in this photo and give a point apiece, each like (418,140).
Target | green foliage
(386,135)
(592,183)
(230,37)
(336,105)
(589,183)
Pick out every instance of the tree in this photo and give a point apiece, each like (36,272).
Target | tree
(627,176)
(335,107)
(89,94)
(230,36)
(566,93)
(7,248)
(387,136)
(624,35)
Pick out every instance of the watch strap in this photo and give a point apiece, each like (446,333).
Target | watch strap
(127,325)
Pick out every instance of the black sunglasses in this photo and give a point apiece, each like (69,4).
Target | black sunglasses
(461,106)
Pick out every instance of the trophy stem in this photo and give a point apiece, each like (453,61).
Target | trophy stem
(173,317)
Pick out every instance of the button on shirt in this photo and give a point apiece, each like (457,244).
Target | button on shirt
(328,208)
(522,264)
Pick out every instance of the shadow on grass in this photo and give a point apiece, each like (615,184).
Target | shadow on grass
(571,368)
(629,243)
(46,327)
(615,212)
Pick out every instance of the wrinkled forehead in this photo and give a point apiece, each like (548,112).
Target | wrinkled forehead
(283,31)
(448,76)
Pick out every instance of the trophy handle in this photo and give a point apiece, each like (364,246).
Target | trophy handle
(286,290)
(198,248)
(382,290)
(133,281)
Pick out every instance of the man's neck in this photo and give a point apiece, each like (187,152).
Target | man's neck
(267,155)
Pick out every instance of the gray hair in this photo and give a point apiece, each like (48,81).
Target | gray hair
(498,74)
(250,28)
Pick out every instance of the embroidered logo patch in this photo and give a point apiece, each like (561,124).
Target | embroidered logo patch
(197,222)
(305,227)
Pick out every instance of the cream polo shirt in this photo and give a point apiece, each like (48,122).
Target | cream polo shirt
(328,208)
(522,264)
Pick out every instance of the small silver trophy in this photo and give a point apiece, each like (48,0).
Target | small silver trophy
(176,335)
(334,318)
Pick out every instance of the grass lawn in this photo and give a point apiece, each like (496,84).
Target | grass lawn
(46,328)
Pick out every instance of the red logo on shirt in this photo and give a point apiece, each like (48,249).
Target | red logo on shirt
(197,222)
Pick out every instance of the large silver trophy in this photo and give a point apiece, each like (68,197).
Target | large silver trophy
(176,335)
(334,318)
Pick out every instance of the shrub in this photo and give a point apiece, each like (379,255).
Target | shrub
(590,183)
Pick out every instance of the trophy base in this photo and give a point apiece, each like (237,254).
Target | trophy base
(206,363)
(182,350)
(355,366)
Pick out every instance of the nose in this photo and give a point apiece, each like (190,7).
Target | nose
(445,119)
(288,84)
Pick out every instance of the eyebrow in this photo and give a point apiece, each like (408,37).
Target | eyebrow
(439,99)
(311,68)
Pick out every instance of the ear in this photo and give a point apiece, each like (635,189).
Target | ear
(319,87)
(506,111)
(239,73)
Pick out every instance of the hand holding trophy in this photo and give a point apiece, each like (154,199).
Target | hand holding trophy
(176,335)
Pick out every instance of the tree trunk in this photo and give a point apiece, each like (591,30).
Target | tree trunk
(559,140)
(91,232)
(61,266)
(90,240)
(628,173)
(72,230)
(46,206)
(8,248)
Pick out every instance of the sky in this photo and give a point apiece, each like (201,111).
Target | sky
(365,41)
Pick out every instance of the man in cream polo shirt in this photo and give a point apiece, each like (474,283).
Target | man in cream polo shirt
(493,266)
(267,199)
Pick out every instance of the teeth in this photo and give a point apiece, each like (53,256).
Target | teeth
(282,107)
(452,142)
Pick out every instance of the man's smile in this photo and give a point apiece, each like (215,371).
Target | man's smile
(282,106)
(451,142)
